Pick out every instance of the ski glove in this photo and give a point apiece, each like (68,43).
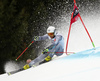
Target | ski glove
(45,51)
(35,38)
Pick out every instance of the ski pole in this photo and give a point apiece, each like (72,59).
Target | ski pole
(24,50)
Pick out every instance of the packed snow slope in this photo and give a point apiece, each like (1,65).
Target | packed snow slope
(81,66)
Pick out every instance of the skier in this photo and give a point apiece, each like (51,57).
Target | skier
(56,48)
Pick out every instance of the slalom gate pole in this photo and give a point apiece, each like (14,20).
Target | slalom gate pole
(86,31)
(86,28)
(74,2)
(24,50)
(68,37)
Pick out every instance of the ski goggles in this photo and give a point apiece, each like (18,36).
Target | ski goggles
(50,34)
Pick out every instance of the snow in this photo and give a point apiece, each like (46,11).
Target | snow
(81,66)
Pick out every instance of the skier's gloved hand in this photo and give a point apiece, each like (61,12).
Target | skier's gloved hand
(45,51)
(26,67)
(35,38)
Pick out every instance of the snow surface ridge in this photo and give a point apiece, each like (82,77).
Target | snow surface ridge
(82,66)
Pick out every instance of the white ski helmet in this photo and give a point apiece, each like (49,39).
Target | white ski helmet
(51,29)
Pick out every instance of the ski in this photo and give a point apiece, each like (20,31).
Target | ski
(13,72)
